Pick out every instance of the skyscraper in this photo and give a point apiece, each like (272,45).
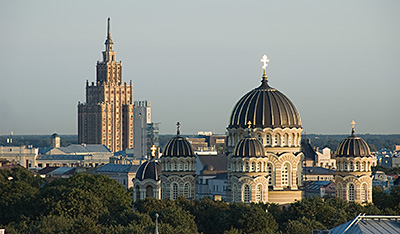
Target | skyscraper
(107,115)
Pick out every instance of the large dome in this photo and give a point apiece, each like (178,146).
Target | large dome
(178,147)
(353,146)
(265,107)
(249,147)
(150,169)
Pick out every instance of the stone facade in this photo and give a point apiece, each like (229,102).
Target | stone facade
(107,115)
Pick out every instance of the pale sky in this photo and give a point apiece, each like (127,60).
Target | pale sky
(335,60)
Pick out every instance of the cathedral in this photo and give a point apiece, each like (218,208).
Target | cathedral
(106,118)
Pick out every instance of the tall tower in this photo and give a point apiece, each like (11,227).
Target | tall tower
(353,170)
(107,115)
(142,119)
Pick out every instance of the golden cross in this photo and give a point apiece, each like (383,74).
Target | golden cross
(249,123)
(265,61)
(153,150)
(353,123)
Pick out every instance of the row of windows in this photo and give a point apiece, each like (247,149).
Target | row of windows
(245,195)
(174,191)
(357,166)
(177,166)
(351,192)
(270,140)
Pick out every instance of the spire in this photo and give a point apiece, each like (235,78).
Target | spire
(352,128)
(178,132)
(109,41)
(265,61)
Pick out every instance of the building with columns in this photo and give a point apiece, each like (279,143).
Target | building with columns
(106,117)
(353,177)
(276,124)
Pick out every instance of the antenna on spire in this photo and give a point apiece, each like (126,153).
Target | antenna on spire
(108,29)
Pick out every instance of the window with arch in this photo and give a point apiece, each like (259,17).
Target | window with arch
(345,166)
(186,190)
(247,166)
(175,191)
(175,166)
(259,193)
(246,193)
(169,166)
(351,192)
(339,190)
(293,139)
(351,166)
(241,166)
(285,175)
(149,191)
(357,166)
(258,167)
(253,166)
(181,166)
(364,193)
(163,191)
(268,139)
(277,140)
(285,139)
(186,166)
(260,138)
(270,173)
(235,195)
(137,196)
(362,166)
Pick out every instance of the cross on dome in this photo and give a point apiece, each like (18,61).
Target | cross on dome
(153,150)
(265,61)
(352,128)
(177,128)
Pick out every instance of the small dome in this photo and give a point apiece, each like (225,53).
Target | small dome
(208,167)
(249,147)
(178,147)
(54,135)
(265,107)
(353,146)
(151,169)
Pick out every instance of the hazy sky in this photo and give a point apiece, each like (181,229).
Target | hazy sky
(336,60)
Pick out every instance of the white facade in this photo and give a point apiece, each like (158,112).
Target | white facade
(142,117)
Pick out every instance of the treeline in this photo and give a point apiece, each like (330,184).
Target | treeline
(97,204)
(37,140)
(375,142)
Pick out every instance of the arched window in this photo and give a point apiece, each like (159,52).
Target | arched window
(260,138)
(246,193)
(351,166)
(163,191)
(259,193)
(235,193)
(241,166)
(169,166)
(286,175)
(175,166)
(345,166)
(175,191)
(277,141)
(181,166)
(186,166)
(363,166)
(293,139)
(364,193)
(247,166)
(186,190)
(270,173)
(285,140)
(339,190)
(357,166)
(253,166)
(258,167)
(268,139)
(149,191)
(137,197)
(351,192)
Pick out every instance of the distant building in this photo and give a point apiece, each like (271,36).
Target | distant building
(326,159)
(317,174)
(382,180)
(74,156)
(121,173)
(25,156)
(319,188)
(106,118)
(55,140)
(211,174)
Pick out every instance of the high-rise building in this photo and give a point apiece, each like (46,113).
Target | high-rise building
(107,115)
(141,120)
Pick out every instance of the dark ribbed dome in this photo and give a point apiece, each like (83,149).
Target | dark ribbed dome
(265,107)
(353,146)
(150,169)
(178,147)
(249,147)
